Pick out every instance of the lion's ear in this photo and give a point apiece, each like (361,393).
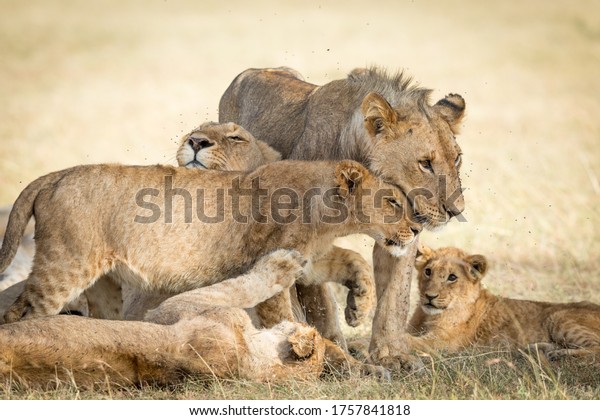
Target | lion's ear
(379,114)
(424,254)
(350,176)
(478,265)
(270,154)
(452,109)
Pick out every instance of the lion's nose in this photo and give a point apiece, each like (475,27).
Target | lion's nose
(416,230)
(452,211)
(198,144)
(430,297)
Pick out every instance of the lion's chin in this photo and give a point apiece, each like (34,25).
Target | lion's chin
(431,310)
(195,164)
(396,250)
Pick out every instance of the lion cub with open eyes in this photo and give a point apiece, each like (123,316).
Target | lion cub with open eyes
(456,312)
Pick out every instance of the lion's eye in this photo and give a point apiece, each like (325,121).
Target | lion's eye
(458,161)
(237,139)
(426,165)
(452,278)
(428,272)
(393,202)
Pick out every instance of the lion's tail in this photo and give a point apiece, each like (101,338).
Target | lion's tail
(19,217)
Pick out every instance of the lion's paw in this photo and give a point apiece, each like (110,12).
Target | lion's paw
(379,372)
(285,266)
(358,304)
(405,362)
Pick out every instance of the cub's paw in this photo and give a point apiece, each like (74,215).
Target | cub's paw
(359,302)
(405,362)
(378,372)
(18,310)
(284,266)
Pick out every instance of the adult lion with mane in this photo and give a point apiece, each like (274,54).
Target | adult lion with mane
(386,124)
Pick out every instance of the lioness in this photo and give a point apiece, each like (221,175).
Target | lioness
(202,333)
(133,225)
(456,312)
(383,122)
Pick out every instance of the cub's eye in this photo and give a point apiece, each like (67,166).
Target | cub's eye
(452,278)
(237,139)
(426,165)
(393,202)
(458,161)
(428,272)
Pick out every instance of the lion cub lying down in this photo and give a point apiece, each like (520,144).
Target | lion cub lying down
(97,218)
(456,312)
(202,333)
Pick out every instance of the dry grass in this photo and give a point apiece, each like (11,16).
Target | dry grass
(84,82)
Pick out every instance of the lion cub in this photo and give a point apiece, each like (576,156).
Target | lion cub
(456,312)
(97,218)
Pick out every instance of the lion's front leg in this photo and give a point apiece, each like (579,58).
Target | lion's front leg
(392,280)
(350,269)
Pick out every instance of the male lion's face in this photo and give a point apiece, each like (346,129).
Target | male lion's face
(414,148)
(448,278)
(224,147)
(381,207)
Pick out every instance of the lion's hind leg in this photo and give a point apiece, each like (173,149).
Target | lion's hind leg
(48,292)
(576,331)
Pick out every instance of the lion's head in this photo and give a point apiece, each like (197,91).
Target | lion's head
(225,147)
(447,276)
(414,147)
(379,206)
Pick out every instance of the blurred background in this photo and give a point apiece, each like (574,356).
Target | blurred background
(122,80)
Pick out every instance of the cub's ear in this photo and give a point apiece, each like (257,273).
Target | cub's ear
(350,176)
(270,154)
(379,114)
(452,109)
(478,265)
(424,254)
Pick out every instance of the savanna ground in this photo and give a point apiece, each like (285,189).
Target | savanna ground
(120,81)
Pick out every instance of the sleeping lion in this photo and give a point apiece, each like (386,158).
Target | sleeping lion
(203,333)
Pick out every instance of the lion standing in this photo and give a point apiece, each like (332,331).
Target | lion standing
(383,122)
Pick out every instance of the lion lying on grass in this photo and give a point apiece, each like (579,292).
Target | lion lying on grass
(202,333)
(99,218)
(456,312)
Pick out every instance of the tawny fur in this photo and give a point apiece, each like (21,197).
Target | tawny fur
(203,333)
(88,223)
(382,121)
(215,146)
(379,120)
(229,147)
(456,312)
